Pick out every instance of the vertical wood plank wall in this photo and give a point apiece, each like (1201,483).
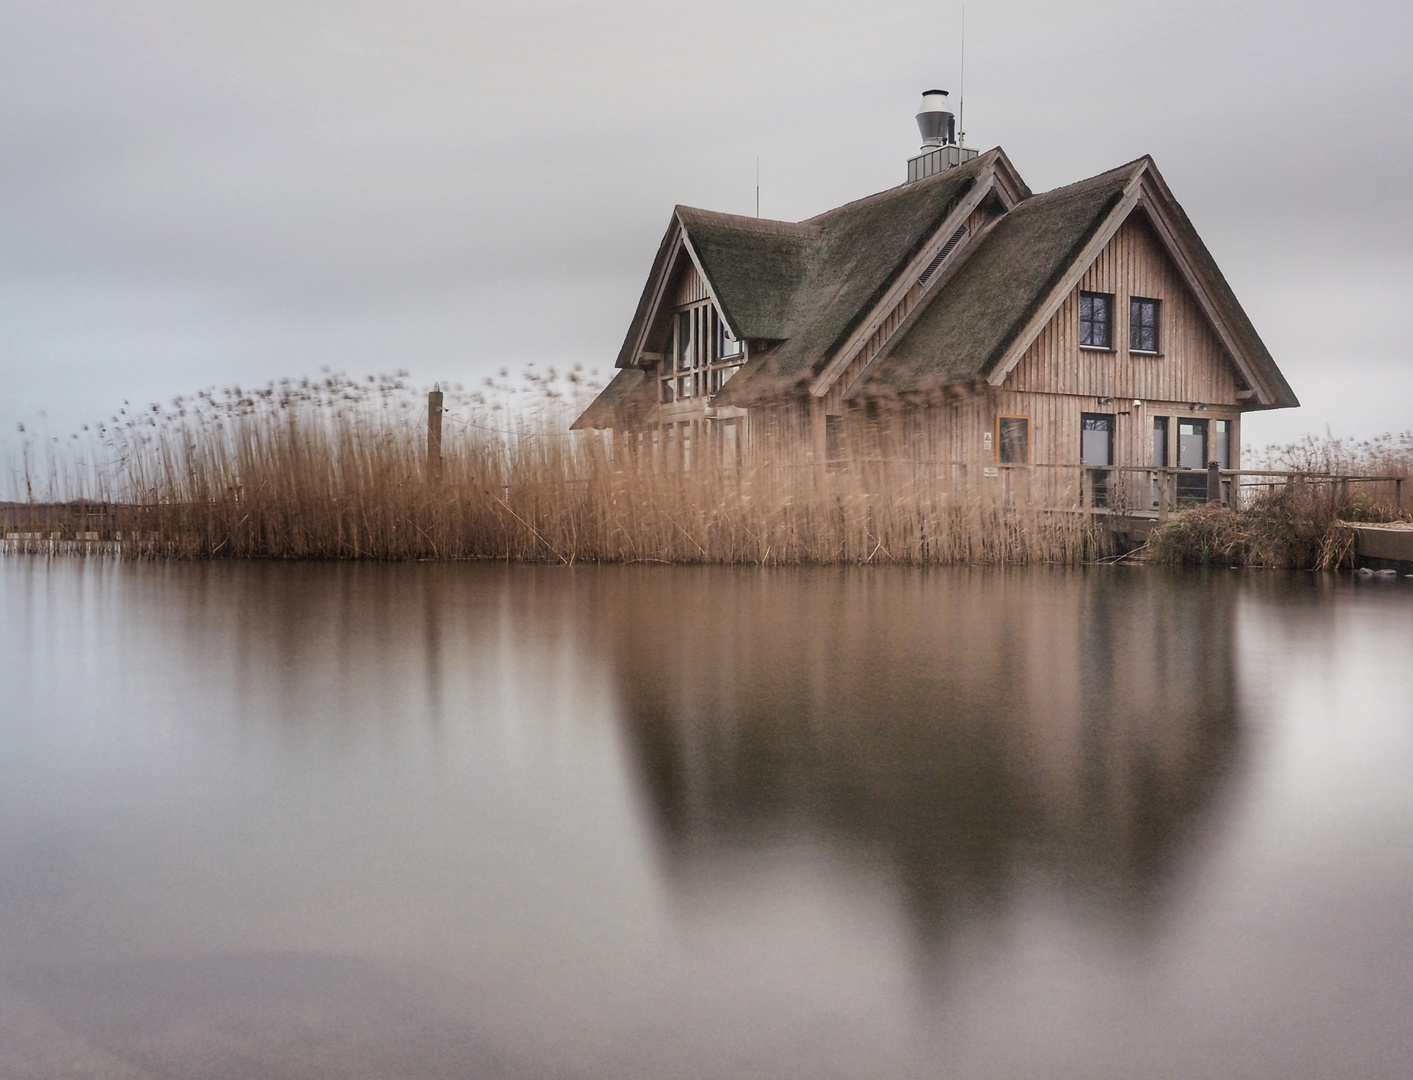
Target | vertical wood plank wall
(1056,380)
(1193,366)
(691,289)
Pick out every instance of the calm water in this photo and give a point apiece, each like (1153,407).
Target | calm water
(474,821)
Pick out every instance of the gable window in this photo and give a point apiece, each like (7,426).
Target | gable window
(1096,320)
(1013,440)
(1142,325)
(699,354)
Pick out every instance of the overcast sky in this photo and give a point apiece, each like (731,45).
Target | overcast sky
(197,193)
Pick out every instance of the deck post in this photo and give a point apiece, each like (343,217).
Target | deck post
(1214,482)
(1163,504)
(1398,493)
(434,433)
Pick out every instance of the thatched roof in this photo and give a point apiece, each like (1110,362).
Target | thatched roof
(803,288)
(619,405)
(966,327)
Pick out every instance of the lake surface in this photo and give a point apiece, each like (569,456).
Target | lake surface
(484,821)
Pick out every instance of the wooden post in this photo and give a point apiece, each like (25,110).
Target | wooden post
(1214,482)
(1398,493)
(434,433)
(1163,479)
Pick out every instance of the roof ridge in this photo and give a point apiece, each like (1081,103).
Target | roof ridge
(975,164)
(744,223)
(1107,176)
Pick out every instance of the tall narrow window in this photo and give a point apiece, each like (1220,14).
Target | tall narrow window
(1096,320)
(1221,443)
(834,442)
(684,341)
(1142,325)
(665,367)
(1013,439)
(1160,442)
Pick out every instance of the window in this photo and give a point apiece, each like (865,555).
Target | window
(1160,442)
(699,354)
(1096,439)
(1096,318)
(1142,325)
(1192,444)
(684,341)
(1160,457)
(726,346)
(665,369)
(1013,439)
(1096,448)
(1221,449)
(834,442)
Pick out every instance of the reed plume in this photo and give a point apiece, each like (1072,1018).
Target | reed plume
(335,468)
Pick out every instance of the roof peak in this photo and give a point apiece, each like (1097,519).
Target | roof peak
(693,215)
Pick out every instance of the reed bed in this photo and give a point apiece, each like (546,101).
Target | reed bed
(336,469)
(1301,527)
(1297,528)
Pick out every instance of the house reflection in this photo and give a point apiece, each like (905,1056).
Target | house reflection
(961,729)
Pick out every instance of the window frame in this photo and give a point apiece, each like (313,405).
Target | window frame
(1112,429)
(694,363)
(1001,442)
(1206,429)
(1162,448)
(1157,349)
(1108,298)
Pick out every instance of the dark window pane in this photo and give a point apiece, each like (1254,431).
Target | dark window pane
(1143,325)
(1095,317)
(1015,440)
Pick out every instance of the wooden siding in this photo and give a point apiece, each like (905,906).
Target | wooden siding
(690,287)
(1193,367)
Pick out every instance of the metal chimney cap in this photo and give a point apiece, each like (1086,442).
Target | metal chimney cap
(935,121)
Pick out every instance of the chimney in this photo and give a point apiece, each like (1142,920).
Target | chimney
(935,121)
(940,150)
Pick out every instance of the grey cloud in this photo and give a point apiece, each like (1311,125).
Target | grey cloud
(197,192)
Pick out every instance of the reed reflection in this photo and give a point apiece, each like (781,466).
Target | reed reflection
(963,730)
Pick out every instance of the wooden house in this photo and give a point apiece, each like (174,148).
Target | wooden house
(1086,330)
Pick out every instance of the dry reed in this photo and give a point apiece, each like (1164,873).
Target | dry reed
(336,469)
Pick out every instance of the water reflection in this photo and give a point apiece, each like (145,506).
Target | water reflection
(430,820)
(962,730)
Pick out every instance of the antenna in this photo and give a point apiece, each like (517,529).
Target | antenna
(757,185)
(962,86)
